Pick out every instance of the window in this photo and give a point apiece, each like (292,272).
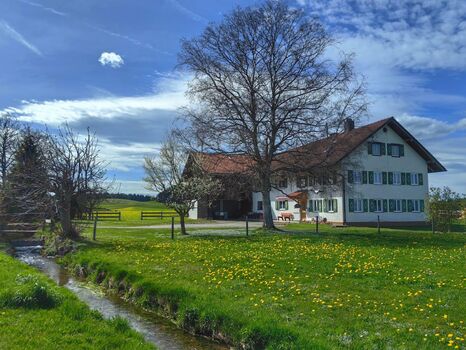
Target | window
(259,205)
(376,149)
(315,205)
(378,177)
(358,205)
(395,150)
(416,206)
(397,178)
(283,183)
(398,207)
(282,205)
(378,206)
(302,181)
(357,177)
(414,179)
(331,205)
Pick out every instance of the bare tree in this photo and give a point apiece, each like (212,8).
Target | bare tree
(263,85)
(9,139)
(443,207)
(76,174)
(164,174)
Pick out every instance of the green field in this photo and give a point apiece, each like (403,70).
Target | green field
(36,314)
(346,288)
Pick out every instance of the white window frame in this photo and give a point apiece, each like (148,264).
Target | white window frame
(357,177)
(282,204)
(397,178)
(398,206)
(414,179)
(379,147)
(358,205)
(330,207)
(378,176)
(416,206)
(397,148)
(377,202)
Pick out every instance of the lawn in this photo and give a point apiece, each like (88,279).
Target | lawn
(350,288)
(37,314)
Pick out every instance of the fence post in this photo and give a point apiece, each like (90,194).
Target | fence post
(317,223)
(378,224)
(247,226)
(119,216)
(173,227)
(94,231)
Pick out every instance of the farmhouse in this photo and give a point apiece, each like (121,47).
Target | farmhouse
(354,177)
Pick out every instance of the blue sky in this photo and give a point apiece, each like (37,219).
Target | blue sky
(111,65)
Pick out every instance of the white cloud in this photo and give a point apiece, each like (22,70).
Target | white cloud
(15,35)
(429,128)
(194,16)
(49,9)
(111,59)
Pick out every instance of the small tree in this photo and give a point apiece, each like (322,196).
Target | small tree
(76,175)
(443,207)
(27,189)
(164,174)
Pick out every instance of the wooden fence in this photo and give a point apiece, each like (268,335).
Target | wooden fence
(106,215)
(157,214)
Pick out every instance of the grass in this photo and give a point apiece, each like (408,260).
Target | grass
(37,314)
(345,288)
(131,213)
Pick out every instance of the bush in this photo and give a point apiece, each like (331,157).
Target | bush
(55,244)
(30,293)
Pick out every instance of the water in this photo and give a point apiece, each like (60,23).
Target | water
(155,329)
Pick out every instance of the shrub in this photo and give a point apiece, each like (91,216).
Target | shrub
(30,293)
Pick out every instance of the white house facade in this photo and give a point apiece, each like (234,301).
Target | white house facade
(381,174)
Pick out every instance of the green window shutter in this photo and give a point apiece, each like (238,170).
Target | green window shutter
(369,148)
(382,149)
(390,178)
(371,205)
(403,178)
(421,205)
(410,205)
(320,205)
(365,205)
(371,177)
(408,178)
(403,205)
(384,177)
(351,205)
(421,180)
(385,205)
(402,150)
(350,176)
(335,206)
(389,149)
(276,205)
(286,205)
(310,207)
(325,206)
(364,177)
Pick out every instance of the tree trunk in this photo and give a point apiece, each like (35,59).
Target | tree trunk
(182,224)
(65,217)
(267,205)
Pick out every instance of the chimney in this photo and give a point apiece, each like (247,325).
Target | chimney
(348,124)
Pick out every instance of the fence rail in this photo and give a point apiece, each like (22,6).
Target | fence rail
(106,215)
(157,214)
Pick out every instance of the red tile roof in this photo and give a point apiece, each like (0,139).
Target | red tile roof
(321,153)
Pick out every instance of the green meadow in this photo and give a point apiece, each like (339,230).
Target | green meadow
(37,314)
(345,288)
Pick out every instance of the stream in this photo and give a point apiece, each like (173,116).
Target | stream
(155,329)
